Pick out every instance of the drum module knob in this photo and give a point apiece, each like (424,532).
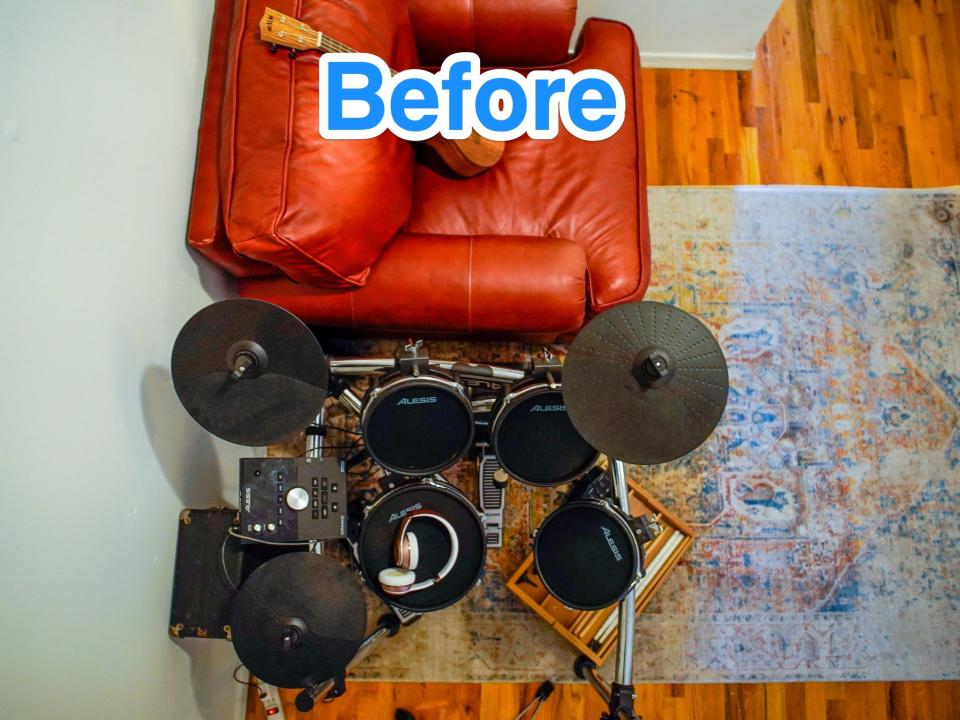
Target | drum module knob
(298,499)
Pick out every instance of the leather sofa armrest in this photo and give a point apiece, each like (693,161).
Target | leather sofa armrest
(451,285)
(615,279)
(513,33)
(205,229)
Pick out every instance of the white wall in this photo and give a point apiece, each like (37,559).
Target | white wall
(716,34)
(99,104)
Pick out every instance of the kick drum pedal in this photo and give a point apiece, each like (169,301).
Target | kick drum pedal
(493,497)
(406,617)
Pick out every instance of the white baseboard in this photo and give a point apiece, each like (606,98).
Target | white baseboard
(697,61)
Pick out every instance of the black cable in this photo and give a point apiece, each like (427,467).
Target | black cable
(343,430)
(371,469)
(260,691)
(365,474)
(351,449)
(365,459)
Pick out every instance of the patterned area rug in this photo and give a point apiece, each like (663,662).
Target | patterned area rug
(826,503)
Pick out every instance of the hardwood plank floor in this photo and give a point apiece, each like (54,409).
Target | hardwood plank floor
(844,92)
(774,701)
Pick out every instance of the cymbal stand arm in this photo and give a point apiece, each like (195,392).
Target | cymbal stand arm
(345,395)
(480,371)
(361,366)
(587,670)
(387,626)
(621,692)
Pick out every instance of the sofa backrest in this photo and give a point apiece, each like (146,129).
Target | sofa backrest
(511,33)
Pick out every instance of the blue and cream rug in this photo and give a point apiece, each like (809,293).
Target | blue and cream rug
(826,503)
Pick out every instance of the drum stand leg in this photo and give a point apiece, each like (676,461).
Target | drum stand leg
(387,626)
(620,695)
(349,399)
(315,436)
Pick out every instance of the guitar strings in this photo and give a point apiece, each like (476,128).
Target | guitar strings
(326,42)
(336,45)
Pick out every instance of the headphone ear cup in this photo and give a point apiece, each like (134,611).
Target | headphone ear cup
(396,580)
(413,550)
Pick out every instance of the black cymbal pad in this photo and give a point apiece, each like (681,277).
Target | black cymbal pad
(282,387)
(645,383)
(299,620)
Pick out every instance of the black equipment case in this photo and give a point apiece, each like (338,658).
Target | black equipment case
(210,567)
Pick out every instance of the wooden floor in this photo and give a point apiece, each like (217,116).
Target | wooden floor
(806,701)
(844,92)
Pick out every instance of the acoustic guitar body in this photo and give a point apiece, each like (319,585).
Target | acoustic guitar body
(467,157)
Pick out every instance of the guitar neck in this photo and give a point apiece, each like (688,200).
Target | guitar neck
(289,32)
(328,44)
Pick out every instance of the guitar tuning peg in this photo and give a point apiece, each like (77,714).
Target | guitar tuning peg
(293,54)
(273,48)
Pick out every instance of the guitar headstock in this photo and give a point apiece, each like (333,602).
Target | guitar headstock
(279,29)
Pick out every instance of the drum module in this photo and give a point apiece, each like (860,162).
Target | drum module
(292,499)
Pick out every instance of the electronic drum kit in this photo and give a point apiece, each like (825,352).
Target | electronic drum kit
(643,383)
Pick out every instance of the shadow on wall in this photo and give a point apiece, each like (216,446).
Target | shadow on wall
(210,662)
(184,450)
(187,456)
(215,281)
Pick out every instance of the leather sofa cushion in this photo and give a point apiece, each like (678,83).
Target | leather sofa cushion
(320,211)
(451,285)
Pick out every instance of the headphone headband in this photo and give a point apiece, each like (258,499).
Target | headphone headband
(402,531)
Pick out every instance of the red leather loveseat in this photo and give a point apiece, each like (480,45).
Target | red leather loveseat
(376,235)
